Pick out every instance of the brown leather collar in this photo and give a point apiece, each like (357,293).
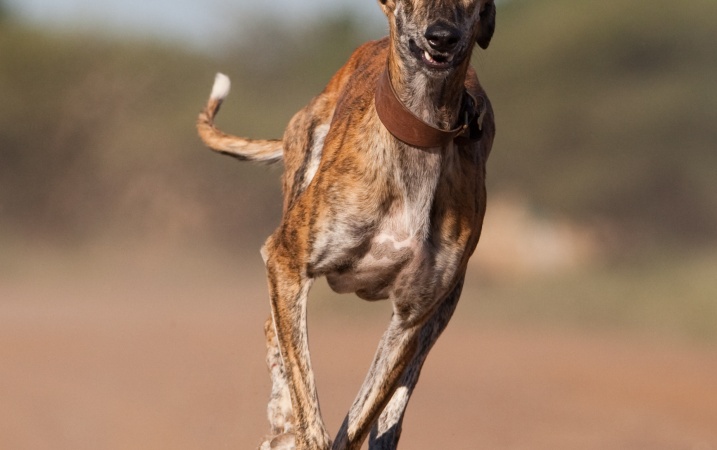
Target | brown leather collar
(412,130)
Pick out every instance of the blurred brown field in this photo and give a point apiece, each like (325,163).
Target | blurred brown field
(159,350)
(132,294)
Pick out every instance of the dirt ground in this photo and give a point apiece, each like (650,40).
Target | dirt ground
(153,360)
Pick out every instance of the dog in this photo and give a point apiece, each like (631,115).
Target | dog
(384,195)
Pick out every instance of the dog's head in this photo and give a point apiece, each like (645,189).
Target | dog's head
(436,36)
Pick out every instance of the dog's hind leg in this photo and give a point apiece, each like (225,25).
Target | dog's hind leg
(289,287)
(387,430)
(279,410)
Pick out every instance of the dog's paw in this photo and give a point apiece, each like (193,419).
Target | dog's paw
(284,441)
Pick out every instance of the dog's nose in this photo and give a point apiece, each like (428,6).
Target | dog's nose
(442,36)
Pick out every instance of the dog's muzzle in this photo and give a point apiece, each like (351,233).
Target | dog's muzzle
(442,37)
(439,47)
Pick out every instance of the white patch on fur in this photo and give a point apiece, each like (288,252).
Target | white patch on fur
(221,87)
(315,152)
(398,245)
(393,411)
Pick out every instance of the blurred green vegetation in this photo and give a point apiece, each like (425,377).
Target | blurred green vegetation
(605,116)
(608,110)
(97,136)
(605,113)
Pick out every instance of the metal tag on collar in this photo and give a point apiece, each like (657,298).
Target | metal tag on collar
(465,130)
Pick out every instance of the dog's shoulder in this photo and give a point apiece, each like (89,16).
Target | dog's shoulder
(362,68)
(371,53)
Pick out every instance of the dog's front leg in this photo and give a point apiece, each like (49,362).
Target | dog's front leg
(289,288)
(387,429)
(396,349)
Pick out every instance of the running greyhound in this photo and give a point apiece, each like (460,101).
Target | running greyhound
(384,195)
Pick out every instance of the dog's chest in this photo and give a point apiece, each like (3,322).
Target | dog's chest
(377,259)
(400,245)
(379,263)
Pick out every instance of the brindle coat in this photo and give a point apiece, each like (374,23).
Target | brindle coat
(372,214)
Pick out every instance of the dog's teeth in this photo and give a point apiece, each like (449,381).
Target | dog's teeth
(428,56)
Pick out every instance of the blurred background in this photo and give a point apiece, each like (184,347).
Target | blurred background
(132,294)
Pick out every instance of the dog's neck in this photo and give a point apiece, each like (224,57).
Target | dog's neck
(428,112)
(437,101)
(407,127)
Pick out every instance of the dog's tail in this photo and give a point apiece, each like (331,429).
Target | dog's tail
(260,150)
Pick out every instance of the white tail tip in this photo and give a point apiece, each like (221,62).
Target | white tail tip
(221,87)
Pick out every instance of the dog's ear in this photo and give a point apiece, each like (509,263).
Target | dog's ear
(387,5)
(487,25)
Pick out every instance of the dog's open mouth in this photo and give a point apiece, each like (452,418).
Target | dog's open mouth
(437,61)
